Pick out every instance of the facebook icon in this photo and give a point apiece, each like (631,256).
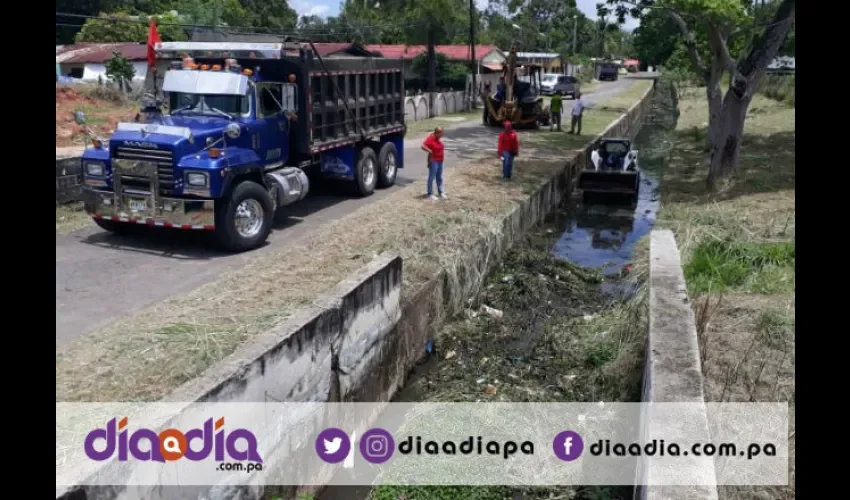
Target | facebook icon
(568,445)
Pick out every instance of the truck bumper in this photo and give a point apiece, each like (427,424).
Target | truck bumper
(150,211)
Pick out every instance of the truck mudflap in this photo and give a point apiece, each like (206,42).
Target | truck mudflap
(150,211)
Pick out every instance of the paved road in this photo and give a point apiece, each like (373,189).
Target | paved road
(100,276)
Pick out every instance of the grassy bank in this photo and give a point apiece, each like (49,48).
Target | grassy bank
(142,357)
(780,88)
(739,259)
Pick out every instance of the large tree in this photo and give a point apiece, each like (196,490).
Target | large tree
(742,40)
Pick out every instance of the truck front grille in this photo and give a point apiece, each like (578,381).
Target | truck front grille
(165,173)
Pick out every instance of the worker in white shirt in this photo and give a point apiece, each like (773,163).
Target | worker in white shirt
(578,111)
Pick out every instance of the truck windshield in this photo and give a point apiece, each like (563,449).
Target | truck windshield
(208,104)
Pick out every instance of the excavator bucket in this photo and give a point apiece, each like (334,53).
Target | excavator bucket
(609,182)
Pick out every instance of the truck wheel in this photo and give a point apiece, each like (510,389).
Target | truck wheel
(115,227)
(366,172)
(245,220)
(388,168)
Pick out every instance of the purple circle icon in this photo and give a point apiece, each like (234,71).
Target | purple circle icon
(333,445)
(568,445)
(377,445)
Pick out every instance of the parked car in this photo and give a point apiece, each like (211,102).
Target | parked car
(566,85)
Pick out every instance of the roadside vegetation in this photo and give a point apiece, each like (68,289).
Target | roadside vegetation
(738,255)
(143,357)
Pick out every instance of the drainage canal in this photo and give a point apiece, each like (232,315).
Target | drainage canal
(561,319)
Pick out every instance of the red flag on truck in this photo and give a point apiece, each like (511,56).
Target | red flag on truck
(153,39)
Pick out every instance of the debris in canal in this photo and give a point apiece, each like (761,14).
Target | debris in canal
(541,330)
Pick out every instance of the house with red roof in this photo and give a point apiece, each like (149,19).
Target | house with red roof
(87,61)
(488,57)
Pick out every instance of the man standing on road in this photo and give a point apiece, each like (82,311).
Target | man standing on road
(556,107)
(578,111)
(436,153)
(508,149)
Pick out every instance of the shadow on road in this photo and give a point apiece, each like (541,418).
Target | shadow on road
(200,245)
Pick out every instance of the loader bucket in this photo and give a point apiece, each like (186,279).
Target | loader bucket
(609,182)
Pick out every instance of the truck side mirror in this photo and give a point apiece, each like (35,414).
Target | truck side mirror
(79,117)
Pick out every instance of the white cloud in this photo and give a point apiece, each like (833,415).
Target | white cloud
(588,8)
(306,8)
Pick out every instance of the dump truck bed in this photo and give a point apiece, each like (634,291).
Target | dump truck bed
(350,95)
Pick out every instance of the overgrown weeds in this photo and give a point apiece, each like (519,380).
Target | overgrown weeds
(540,331)
(760,267)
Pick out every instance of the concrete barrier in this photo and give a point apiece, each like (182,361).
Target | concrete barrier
(360,341)
(332,351)
(673,372)
(69,175)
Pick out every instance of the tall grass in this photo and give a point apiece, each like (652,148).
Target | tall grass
(780,88)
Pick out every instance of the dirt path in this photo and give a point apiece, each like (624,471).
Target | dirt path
(101,277)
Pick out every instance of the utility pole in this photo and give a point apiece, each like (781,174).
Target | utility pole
(432,68)
(473,60)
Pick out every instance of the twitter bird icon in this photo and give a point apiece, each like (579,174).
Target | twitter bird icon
(333,445)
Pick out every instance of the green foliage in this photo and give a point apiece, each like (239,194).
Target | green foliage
(121,27)
(717,266)
(213,12)
(119,68)
(449,74)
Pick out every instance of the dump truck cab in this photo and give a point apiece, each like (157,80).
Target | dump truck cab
(235,144)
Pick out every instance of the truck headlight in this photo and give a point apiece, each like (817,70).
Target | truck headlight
(197,179)
(94,169)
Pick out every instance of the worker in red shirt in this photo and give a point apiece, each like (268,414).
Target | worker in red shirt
(436,153)
(508,149)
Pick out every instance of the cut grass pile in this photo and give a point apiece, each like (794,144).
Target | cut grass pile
(739,257)
(143,357)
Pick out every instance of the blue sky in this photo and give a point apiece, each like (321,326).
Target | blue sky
(326,8)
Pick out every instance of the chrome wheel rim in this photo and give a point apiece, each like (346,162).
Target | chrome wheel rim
(390,166)
(249,218)
(368,172)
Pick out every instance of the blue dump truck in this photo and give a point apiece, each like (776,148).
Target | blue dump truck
(248,125)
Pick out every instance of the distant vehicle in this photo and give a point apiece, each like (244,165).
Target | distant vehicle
(609,71)
(566,85)
(245,126)
(612,169)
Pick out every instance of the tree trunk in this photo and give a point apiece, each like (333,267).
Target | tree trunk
(726,139)
(714,96)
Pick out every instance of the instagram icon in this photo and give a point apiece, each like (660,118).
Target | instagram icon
(377,446)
